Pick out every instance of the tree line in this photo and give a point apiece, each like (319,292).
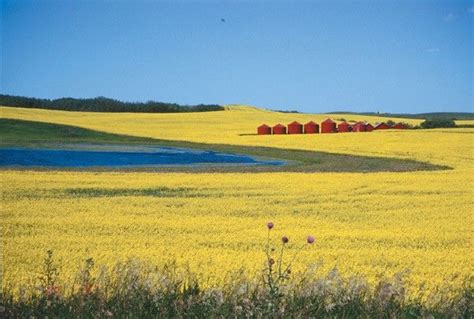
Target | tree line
(421,116)
(103,104)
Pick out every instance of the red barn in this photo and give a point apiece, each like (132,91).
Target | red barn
(382,126)
(311,128)
(369,127)
(328,126)
(279,129)
(295,128)
(264,129)
(344,127)
(399,126)
(359,127)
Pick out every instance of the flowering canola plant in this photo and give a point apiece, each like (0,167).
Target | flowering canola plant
(374,224)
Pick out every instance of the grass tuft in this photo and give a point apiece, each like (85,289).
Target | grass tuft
(135,289)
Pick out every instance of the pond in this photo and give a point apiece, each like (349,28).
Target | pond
(120,156)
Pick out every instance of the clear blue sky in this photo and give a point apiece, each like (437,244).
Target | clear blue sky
(400,56)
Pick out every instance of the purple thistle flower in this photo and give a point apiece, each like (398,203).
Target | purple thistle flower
(310,239)
(270,225)
(284,239)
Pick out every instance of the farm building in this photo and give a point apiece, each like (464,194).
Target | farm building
(369,127)
(359,127)
(328,126)
(344,127)
(295,128)
(311,128)
(279,129)
(264,130)
(399,126)
(382,126)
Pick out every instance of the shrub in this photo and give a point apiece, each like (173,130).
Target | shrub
(438,123)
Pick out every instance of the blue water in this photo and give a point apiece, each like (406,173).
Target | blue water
(159,156)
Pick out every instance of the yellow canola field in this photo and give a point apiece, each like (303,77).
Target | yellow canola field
(365,223)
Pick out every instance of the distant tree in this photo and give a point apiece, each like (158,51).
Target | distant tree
(438,123)
(103,104)
(390,123)
(287,111)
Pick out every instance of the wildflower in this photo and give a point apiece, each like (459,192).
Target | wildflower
(284,239)
(271,261)
(310,239)
(87,288)
(52,290)
(270,225)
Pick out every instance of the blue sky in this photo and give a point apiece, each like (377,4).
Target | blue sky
(316,56)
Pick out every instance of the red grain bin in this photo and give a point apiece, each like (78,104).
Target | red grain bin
(399,126)
(369,127)
(295,128)
(311,128)
(344,127)
(264,130)
(279,129)
(382,126)
(359,127)
(328,126)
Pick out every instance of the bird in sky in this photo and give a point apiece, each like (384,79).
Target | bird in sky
(223,20)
